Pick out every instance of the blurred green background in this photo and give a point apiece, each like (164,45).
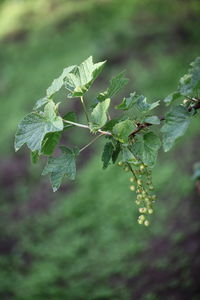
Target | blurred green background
(84,242)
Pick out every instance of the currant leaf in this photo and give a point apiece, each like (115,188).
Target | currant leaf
(172,97)
(123,129)
(79,80)
(107,154)
(137,101)
(35,126)
(99,114)
(146,148)
(59,167)
(191,81)
(176,123)
(154,120)
(115,85)
(58,83)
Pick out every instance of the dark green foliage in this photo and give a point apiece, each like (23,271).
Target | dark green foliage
(146,148)
(107,154)
(41,130)
(61,166)
(177,121)
(87,245)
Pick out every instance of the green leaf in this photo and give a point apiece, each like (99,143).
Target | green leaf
(127,155)
(79,80)
(127,103)
(172,97)
(50,142)
(70,116)
(107,154)
(176,123)
(143,106)
(41,102)
(191,81)
(99,114)
(35,126)
(152,120)
(146,148)
(116,152)
(196,173)
(111,123)
(115,85)
(58,83)
(61,166)
(123,129)
(137,101)
(35,157)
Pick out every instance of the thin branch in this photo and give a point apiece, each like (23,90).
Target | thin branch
(91,142)
(140,126)
(87,127)
(85,109)
(129,165)
(76,124)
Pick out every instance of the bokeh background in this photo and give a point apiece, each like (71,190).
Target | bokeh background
(83,242)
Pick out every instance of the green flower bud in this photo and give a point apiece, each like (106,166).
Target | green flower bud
(132,188)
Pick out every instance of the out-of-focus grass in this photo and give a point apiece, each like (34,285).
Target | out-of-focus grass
(88,245)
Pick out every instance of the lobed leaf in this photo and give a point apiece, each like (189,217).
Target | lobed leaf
(127,103)
(79,80)
(41,102)
(99,114)
(70,116)
(50,142)
(115,85)
(176,123)
(33,128)
(127,155)
(116,152)
(190,81)
(34,157)
(59,167)
(172,97)
(58,83)
(107,154)
(123,129)
(146,148)
(137,101)
(154,120)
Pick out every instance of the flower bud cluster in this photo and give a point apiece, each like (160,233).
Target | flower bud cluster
(141,184)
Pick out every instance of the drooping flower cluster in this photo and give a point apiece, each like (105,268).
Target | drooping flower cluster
(141,184)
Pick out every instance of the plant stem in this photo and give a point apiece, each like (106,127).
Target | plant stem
(129,165)
(85,109)
(87,127)
(91,142)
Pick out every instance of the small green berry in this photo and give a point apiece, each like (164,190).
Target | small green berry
(141,219)
(146,223)
(132,188)
(143,210)
(150,211)
(142,167)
